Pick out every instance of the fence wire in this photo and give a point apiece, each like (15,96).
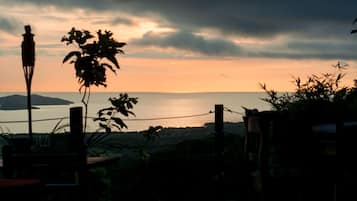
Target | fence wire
(226,109)
(136,119)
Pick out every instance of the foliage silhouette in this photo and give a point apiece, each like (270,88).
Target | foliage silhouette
(107,116)
(152,133)
(92,60)
(316,88)
(59,127)
(318,98)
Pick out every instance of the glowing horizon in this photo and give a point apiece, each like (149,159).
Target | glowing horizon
(60,78)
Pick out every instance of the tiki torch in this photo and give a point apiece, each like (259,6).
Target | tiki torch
(28,66)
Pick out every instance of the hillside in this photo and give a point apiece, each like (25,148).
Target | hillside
(19,102)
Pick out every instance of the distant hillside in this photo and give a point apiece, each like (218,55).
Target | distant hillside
(19,102)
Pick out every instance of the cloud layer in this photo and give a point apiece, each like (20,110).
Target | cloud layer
(187,41)
(311,29)
(257,18)
(9,25)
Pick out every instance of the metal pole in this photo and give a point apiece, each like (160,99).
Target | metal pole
(28,65)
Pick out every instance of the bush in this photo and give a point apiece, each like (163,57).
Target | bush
(319,98)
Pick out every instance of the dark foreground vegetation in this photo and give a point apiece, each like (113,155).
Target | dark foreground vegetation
(187,172)
(191,171)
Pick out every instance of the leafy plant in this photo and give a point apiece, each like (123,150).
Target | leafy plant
(319,97)
(4,130)
(59,127)
(40,143)
(122,105)
(323,88)
(152,133)
(92,59)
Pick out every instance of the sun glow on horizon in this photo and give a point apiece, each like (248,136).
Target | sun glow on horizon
(170,75)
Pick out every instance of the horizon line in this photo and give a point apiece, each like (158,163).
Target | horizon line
(161,92)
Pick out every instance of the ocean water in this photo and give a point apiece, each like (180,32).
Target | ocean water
(151,110)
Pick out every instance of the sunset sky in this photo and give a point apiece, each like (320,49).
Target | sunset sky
(184,45)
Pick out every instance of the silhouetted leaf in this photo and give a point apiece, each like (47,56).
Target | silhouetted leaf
(121,51)
(120,44)
(104,126)
(354,31)
(113,60)
(116,126)
(110,67)
(102,111)
(70,55)
(99,119)
(120,122)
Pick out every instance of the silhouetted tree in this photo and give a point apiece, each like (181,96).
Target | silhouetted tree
(92,59)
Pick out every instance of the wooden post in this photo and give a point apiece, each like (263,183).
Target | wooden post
(77,145)
(219,129)
(76,126)
(219,148)
(76,119)
(218,118)
(219,133)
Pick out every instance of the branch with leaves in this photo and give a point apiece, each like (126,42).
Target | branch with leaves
(122,105)
(94,57)
(316,88)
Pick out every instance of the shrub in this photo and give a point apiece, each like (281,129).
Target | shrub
(319,98)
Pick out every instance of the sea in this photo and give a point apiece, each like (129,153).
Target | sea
(153,109)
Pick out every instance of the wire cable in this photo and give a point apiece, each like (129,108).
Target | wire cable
(226,109)
(35,120)
(140,119)
(174,117)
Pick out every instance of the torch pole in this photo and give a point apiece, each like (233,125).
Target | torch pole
(28,66)
(28,71)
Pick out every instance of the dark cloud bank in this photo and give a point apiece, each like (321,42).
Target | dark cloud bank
(10,25)
(314,29)
(188,41)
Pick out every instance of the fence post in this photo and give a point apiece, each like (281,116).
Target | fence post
(218,110)
(219,129)
(76,128)
(219,148)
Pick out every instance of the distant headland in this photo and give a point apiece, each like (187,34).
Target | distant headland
(19,102)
